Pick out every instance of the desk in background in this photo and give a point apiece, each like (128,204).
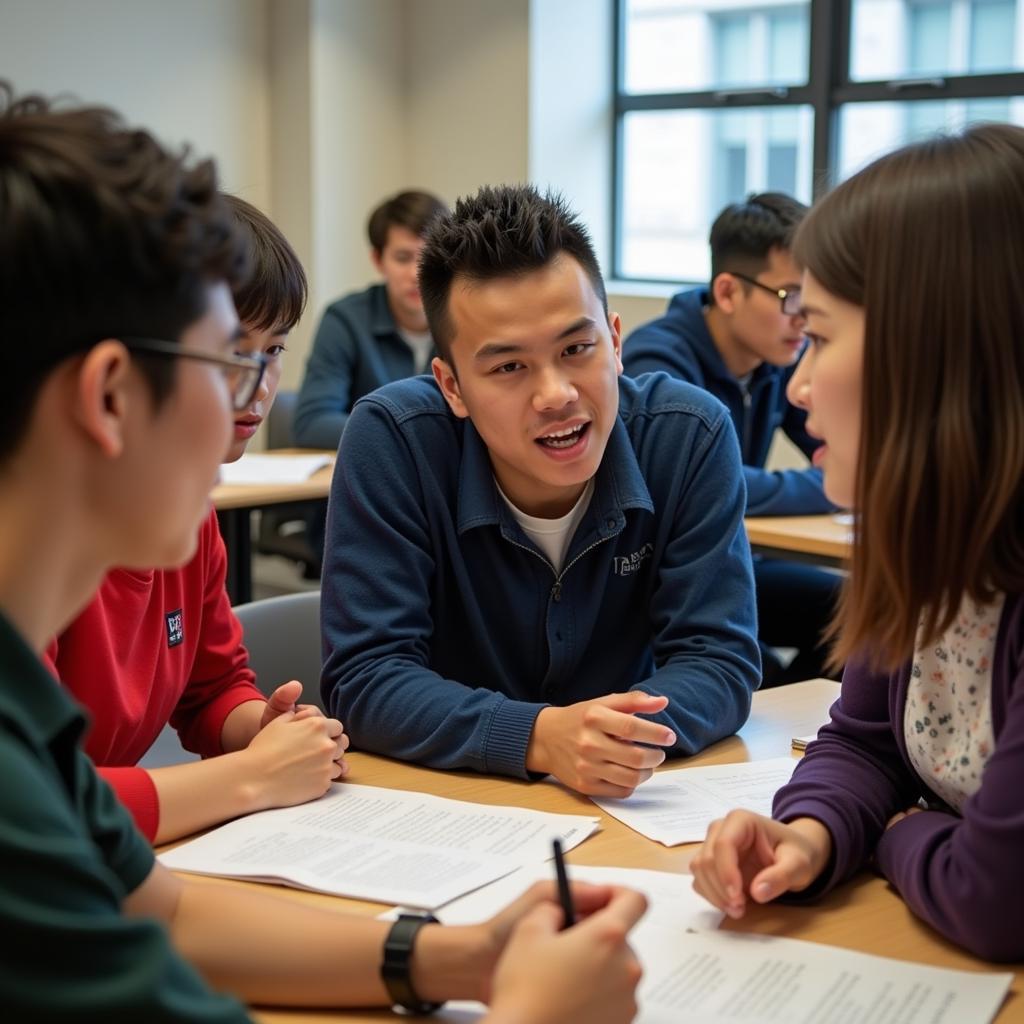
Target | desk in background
(820,540)
(235,502)
(864,915)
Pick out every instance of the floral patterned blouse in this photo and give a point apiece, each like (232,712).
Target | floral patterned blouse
(947,718)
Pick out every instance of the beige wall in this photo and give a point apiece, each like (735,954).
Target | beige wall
(358,146)
(315,109)
(468,98)
(190,70)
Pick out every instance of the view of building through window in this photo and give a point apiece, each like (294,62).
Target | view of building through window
(716,99)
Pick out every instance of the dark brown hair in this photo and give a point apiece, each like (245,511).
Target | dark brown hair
(502,231)
(929,241)
(273,295)
(411,210)
(744,234)
(105,234)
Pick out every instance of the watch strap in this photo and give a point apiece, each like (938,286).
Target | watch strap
(396,967)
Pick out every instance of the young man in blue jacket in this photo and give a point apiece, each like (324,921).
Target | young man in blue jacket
(533,565)
(367,338)
(739,339)
(371,337)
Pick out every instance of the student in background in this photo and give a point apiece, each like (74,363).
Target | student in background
(518,541)
(163,645)
(740,338)
(109,445)
(913,381)
(371,337)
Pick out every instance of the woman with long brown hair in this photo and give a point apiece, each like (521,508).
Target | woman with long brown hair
(914,379)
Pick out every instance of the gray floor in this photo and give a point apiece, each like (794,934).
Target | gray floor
(272,575)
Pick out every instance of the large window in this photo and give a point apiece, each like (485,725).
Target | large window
(719,98)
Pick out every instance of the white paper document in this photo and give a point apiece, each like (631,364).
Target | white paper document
(736,978)
(672,906)
(697,975)
(677,806)
(672,903)
(383,845)
(253,468)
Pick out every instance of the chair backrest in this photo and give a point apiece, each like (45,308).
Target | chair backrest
(282,635)
(279,423)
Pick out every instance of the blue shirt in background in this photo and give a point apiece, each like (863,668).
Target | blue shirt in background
(357,348)
(681,344)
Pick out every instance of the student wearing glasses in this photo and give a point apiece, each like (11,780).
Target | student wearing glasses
(163,645)
(740,338)
(108,450)
(913,381)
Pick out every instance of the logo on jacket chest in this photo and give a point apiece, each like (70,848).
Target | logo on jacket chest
(626,565)
(175,628)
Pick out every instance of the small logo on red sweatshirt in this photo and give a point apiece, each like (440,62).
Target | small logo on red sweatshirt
(175,628)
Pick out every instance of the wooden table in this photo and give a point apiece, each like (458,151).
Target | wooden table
(235,502)
(863,915)
(821,540)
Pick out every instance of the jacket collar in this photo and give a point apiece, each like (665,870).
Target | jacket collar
(618,485)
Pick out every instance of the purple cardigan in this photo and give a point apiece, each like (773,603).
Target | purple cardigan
(964,875)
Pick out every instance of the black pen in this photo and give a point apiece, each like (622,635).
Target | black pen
(564,895)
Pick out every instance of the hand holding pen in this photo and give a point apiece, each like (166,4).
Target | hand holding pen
(555,968)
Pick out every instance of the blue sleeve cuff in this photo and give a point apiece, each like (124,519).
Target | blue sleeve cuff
(509,736)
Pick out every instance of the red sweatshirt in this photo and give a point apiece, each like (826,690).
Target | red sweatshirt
(154,647)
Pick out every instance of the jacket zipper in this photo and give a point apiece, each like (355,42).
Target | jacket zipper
(556,590)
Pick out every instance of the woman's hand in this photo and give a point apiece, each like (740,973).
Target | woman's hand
(747,854)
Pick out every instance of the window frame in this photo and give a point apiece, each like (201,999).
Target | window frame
(828,89)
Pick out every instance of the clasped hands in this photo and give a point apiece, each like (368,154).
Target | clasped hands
(297,751)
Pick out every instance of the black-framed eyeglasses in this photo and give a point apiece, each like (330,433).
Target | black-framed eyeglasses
(243,373)
(788,297)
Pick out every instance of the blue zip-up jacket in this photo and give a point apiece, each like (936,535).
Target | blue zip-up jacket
(446,631)
(357,348)
(680,344)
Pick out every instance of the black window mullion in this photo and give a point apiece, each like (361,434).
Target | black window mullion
(830,25)
(939,87)
(717,99)
(618,158)
(829,87)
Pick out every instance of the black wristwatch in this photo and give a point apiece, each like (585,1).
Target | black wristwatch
(395,968)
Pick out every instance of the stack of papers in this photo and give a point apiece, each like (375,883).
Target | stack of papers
(697,975)
(272,469)
(677,807)
(379,844)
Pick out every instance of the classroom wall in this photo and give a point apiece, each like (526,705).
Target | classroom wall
(190,70)
(468,93)
(358,150)
(315,109)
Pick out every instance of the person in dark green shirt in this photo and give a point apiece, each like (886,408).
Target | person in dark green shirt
(119,334)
